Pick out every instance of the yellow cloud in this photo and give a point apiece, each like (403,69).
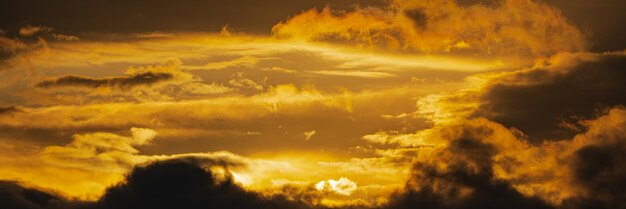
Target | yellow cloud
(513,27)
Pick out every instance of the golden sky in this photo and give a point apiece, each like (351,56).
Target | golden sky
(387,104)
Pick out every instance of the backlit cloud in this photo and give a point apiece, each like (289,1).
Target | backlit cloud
(515,27)
(365,104)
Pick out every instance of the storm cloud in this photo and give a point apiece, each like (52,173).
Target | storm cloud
(547,102)
(182,183)
(461,176)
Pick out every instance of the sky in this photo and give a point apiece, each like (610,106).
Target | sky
(277,104)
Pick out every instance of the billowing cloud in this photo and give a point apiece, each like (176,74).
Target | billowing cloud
(180,184)
(96,161)
(397,104)
(512,27)
(546,101)
(464,180)
(482,163)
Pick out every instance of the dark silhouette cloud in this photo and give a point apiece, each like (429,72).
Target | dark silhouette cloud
(146,78)
(179,183)
(183,184)
(9,109)
(554,101)
(466,183)
(14,196)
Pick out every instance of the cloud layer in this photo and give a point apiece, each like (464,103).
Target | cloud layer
(383,105)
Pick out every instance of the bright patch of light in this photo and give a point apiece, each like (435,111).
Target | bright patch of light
(343,186)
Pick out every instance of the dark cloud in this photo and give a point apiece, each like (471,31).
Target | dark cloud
(600,19)
(146,78)
(9,109)
(466,183)
(601,171)
(179,183)
(14,196)
(418,17)
(555,100)
(13,49)
(183,184)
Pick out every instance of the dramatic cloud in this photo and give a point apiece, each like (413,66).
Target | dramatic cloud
(369,104)
(181,184)
(547,101)
(467,181)
(477,163)
(480,163)
(512,27)
(604,182)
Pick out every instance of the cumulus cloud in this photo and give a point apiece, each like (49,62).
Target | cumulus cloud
(97,160)
(547,101)
(180,184)
(551,126)
(462,179)
(481,163)
(477,163)
(546,136)
(596,159)
(512,27)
